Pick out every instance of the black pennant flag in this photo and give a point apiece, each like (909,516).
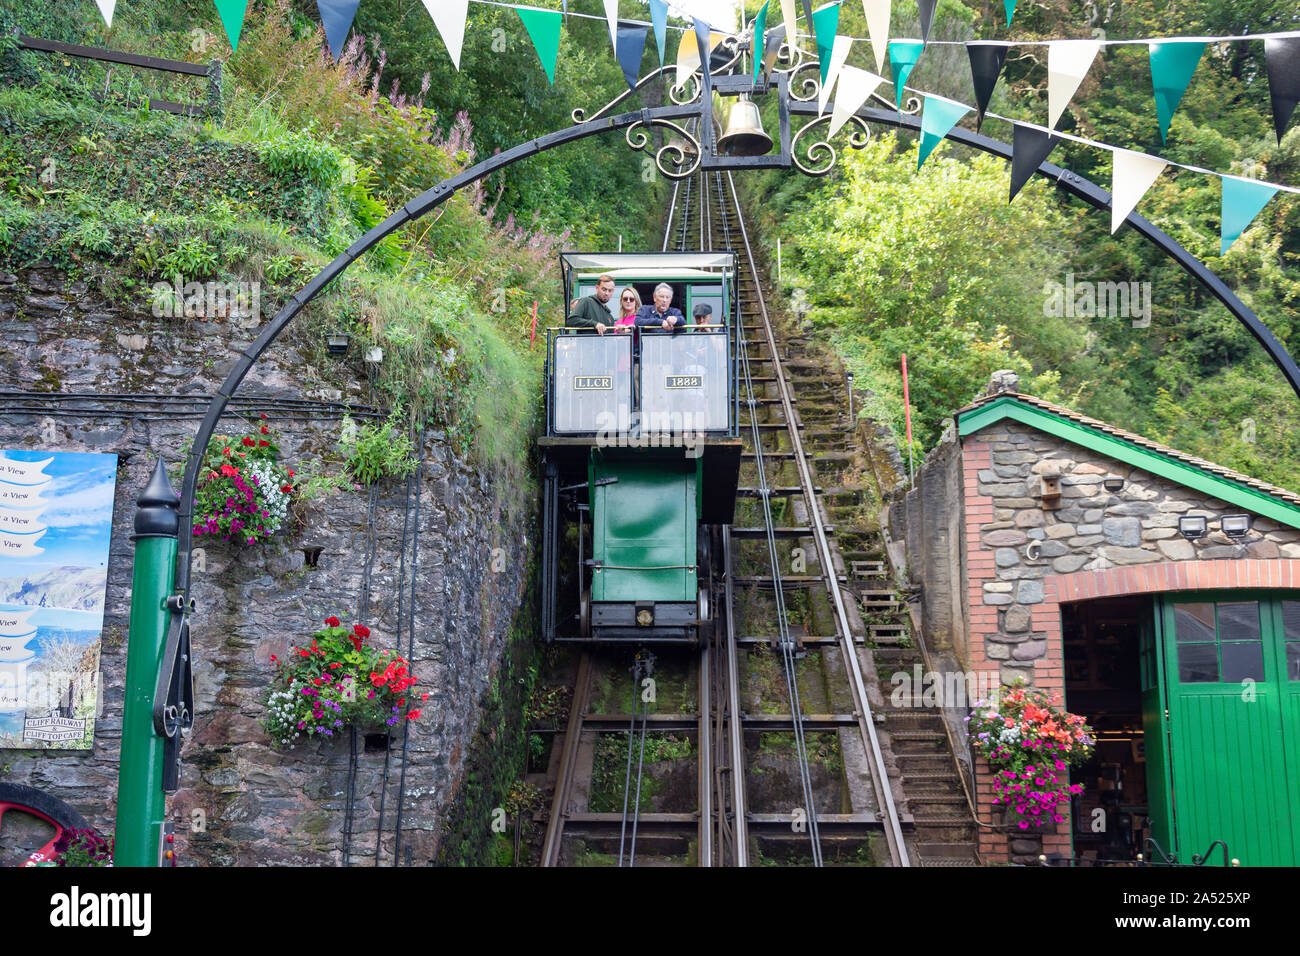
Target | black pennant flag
(629,50)
(1282,58)
(926,9)
(1029,147)
(986,61)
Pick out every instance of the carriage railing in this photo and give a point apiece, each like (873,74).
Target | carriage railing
(641,384)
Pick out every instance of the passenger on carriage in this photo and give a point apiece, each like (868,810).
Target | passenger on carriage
(662,313)
(703,314)
(591,311)
(629,303)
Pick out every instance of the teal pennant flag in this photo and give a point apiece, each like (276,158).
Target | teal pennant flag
(826,20)
(903,55)
(659,18)
(232,18)
(1242,201)
(1172,64)
(1011,8)
(543,28)
(760,25)
(938,116)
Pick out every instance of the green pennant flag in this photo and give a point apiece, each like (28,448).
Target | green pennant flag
(902,57)
(1011,8)
(826,20)
(1172,64)
(543,28)
(1242,201)
(232,18)
(760,25)
(937,117)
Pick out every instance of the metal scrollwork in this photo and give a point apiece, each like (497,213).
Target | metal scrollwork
(805,89)
(820,154)
(677,158)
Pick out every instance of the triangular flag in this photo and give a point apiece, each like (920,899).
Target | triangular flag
(704,51)
(1030,146)
(877,14)
(1282,59)
(1131,176)
(449,17)
(760,26)
(106,10)
(1011,8)
(1172,64)
(790,19)
(986,61)
(630,49)
(232,18)
(938,116)
(611,17)
(839,53)
(688,52)
(902,57)
(772,47)
(336,17)
(854,88)
(1067,64)
(1242,201)
(826,20)
(543,28)
(925,10)
(659,17)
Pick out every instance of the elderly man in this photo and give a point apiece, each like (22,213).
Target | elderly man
(662,313)
(591,312)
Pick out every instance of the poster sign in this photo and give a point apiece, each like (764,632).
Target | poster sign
(56,520)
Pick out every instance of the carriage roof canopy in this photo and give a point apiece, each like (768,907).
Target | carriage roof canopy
(624,261)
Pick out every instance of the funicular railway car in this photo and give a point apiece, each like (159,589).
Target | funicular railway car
(640,456)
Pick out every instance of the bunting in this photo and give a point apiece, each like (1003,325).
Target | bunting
(449,17)
(1131,176)
(688,51)
(1282,60)
(543,28)
(925,10)
(106,8)
(659,17)
(1067,64)
(825,21)
(232,18)
(902,58)
(938,116)
(629,49)
(854,88)
(336,17)
(772,47)
(1242,201)
(1030,147)
(877,14)
(1172,65)
(789,19)
(986,61)
(760,36)
(1011,8)
(611,17)
(839,53)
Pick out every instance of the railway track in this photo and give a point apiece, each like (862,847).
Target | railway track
(788,657)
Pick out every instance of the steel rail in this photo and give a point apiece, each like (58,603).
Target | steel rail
(704,757)
(735,732)
(568,759)
(875,758)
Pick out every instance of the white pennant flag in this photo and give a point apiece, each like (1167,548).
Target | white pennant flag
(789,17)
(106,10)
(611,15)
(839,53)
(1131,176)
(449,17)
(877,13)
(1067,64)
(855,87)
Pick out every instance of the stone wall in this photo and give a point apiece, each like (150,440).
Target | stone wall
(259,805)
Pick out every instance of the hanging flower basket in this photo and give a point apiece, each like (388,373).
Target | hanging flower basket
(1030,745)
(243,492)
(337,682)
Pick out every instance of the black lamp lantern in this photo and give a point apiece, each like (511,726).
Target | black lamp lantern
(1112,484)
(1235,526)
(1192,527)
(337,343)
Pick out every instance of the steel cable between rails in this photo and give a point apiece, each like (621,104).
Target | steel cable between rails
(349,813)
(782,617)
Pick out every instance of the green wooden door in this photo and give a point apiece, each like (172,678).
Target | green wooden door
(1155,734)
(1232,714)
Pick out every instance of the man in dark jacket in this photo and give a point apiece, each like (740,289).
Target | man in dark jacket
(590,312)
(662,313)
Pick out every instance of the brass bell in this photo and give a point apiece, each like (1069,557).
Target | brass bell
(744,135)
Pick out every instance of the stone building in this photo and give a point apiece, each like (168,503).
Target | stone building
(1156,593)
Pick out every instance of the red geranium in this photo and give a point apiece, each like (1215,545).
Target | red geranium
(332,621)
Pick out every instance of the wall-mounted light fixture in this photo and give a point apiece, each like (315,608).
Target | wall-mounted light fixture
(1235,526)
(1192,527)
(337,343)
(1112,483)
(374,355)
